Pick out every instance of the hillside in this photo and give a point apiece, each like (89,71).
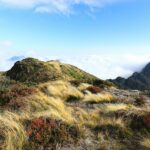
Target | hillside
(138,81)
(32,70)
(43,107)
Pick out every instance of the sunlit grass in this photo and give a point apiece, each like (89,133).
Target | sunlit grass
(114,107)
(98,98)
(50,101)
(12,131)
(42,105)
(146,143)
(61,89)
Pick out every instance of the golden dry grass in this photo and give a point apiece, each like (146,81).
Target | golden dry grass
(146,143)
(98,98)
(84,117)
(12,131)
(114,107)
(112,121)
(61,89)
(94,118)
(50,101)
(138,111)
(43,105)
(39,105)
(83,86)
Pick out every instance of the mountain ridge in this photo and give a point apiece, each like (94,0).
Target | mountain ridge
(137,81)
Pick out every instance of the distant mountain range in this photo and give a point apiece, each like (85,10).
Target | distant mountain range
(137,81)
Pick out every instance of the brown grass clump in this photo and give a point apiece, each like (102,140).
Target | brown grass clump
(75,83)
(140,101)
(106,142)
(115,128)
(84,118)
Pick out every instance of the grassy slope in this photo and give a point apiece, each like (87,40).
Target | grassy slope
(60,115)
(45,118)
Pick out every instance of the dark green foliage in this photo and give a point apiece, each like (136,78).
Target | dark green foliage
(102,83)
(72,99)
(75,83)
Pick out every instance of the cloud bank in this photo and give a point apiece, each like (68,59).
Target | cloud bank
(110,66)
(104,67)
(60,6)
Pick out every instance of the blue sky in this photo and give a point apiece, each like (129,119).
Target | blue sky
(97,35)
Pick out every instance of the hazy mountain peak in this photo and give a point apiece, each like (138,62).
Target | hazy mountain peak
(138,80)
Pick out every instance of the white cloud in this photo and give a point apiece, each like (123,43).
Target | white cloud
(112,66)
(63,6)
(103,66)
(6,44)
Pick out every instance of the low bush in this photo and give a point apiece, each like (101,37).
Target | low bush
(72,99)
(49,133)
(140,101)
(95,89)
(75,83)
(114,131)
(140,123)
(14,96)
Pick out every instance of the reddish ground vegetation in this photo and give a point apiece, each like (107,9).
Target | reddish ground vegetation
(49,133)
(14,97)
(147,119)
(95,89)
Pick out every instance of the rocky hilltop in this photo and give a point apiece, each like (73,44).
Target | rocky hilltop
(35,71)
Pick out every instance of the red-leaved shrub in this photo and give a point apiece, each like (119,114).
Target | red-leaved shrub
(14,97)
(46,132)
(95,89)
